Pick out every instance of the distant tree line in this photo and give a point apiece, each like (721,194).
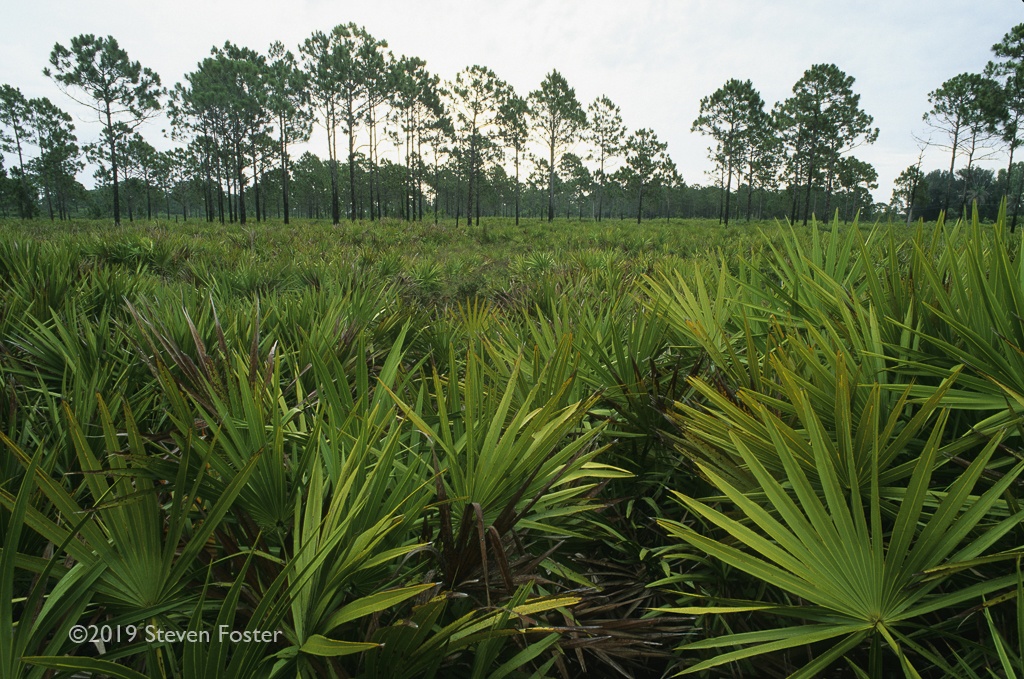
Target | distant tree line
(403,144)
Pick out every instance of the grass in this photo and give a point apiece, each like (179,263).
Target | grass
(579,448)
(460,262)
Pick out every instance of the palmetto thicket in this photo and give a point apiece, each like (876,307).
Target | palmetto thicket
(615,452)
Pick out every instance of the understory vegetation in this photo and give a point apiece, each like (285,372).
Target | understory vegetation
(601,450)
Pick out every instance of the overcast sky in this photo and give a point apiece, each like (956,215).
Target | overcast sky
(655,59)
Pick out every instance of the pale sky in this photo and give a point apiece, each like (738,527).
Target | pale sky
(654,58)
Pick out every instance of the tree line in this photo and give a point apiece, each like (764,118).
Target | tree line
(973,116)
(402,143)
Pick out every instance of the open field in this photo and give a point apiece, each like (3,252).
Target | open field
(576,449)
(495,259)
